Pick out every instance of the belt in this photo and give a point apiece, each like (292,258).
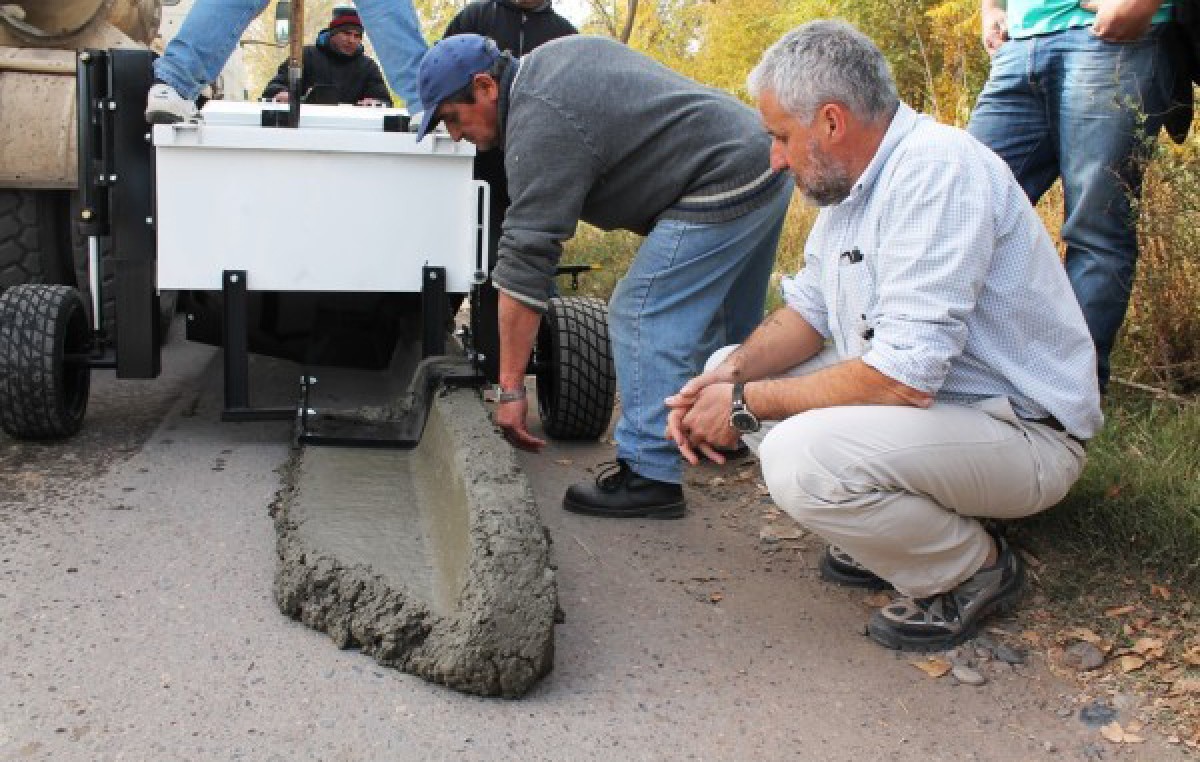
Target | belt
(1053,423)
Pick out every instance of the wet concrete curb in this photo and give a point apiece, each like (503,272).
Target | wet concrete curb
(490,632)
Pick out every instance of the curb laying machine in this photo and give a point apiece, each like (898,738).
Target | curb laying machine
(234,213)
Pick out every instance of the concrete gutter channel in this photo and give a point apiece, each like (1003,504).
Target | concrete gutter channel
(432,560)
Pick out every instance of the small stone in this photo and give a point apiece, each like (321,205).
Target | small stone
(1049,747)
(1065,712)
(967,676)
(1097,714)
(1008,655)
(1126,702)
(1083,656)
(768,536)
(956,656)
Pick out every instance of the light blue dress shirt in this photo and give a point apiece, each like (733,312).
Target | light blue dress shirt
(938,273)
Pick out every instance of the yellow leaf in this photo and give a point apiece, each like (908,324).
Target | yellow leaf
(1084,634)
(1192,656)
(1145,645)
(1131,663)
(715,597)
(1162,591)
(1113,732)
(878,600)
(933,666)
(1188,685)
(1119,611)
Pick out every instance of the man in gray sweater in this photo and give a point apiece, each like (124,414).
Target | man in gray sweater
(594,131)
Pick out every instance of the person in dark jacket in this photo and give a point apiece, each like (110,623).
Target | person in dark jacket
(517,27)
(336,62)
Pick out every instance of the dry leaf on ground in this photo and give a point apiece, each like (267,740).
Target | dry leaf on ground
(933,666)
(1115,733)
(878,600)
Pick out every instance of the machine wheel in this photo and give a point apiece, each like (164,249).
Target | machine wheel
(31,237)
(44,383)
(576,380)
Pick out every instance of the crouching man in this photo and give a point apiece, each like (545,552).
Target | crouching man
(931,366)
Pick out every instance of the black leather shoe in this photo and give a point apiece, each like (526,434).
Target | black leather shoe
(619,493)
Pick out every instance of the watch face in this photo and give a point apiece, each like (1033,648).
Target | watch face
(744,421)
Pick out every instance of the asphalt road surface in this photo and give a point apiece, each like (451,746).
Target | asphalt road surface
(136,622)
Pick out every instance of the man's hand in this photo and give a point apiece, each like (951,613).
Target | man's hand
(1121,20)
(698,419)
(995,28)
(510,417)
(281,96)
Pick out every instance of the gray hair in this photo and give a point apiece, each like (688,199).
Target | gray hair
(822,62)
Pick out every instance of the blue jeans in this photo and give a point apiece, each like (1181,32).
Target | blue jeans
(196,55)
(692,288)
(1072,105)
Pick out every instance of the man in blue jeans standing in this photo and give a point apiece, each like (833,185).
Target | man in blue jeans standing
(684,165)
(1079,90)
(196,55)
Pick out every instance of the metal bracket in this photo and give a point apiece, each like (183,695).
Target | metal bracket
(237,357)
(397,428)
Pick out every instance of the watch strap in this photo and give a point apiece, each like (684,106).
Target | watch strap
(509,395)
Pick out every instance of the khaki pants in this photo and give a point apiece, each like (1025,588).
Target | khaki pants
(900,488)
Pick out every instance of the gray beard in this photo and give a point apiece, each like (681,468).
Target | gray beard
(827,183)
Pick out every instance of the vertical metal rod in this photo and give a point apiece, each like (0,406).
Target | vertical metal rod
(94,283)
(295,62)
(433,311)
(234,341)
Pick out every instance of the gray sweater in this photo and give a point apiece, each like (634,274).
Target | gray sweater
(594,131)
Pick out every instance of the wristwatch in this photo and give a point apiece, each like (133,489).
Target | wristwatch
(740,417)
(503,395)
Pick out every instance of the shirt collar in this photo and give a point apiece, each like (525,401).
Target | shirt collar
(903,122)
(507,80)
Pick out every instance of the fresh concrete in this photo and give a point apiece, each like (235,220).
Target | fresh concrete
(431,560)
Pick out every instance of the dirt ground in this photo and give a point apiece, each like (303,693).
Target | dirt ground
(136,622)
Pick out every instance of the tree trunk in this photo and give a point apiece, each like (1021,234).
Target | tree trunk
(628,30)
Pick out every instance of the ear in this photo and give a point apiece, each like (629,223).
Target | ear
(832,122)
(485,88)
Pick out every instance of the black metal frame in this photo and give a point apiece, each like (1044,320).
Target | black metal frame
(119,204)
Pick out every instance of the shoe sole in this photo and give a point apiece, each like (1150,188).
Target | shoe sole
(898,641)
(164,117)
(670,511)
(827,572)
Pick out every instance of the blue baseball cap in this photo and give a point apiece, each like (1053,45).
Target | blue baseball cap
(447,68)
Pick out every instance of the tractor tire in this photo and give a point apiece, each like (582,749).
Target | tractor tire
(32,237)
(576,379)
(44,384)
